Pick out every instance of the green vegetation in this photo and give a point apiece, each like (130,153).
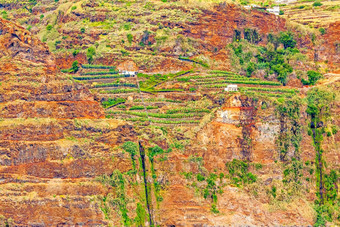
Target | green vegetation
(224,82)
(143,107)
(317,3)
(158,100)
(99,77)
(157,115)
(73,69)
(132,149)
(187,110)
(91,51)
(49,27)
(239,174)
(115,84)
(288,112)
(327,205)
(159,121)
(152,80)
(322,31)
(119,200)
(85,66)
(281,90)
(249,58)
(101,73)
(112,102)
(313,77)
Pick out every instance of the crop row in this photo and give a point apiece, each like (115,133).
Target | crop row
(143,107)
(115,85)
(85,66)
(187,110)
(156,115)
(100,73)
(224,83)
(230,79)
(185,79)
(220,71)
(99,77)
(282,90)
(161,121)
(112,102)
(119,91)
(157,100)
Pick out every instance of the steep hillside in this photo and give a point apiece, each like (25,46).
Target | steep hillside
(53,140)
(93,145)
(152,34)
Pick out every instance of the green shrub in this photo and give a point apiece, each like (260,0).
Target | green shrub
(238,172)
(129,37)
(82,30)
(313,77)
(49,27)
(132,149)
(199,177)
(75,53)
(121,107)
(322,31)
(287,39)
(281,12)
(91,51)
(75,67)
(251,68)
(273,191)
(317,3)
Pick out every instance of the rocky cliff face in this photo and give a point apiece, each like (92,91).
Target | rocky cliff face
(62,163)
(53,142)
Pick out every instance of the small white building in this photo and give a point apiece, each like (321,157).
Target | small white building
(275,10)
(130,73)
(231,87)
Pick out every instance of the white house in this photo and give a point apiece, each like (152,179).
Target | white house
(231,87)
(130,73)
(275,10)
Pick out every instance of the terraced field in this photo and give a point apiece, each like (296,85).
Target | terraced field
(169,100)
(308,13)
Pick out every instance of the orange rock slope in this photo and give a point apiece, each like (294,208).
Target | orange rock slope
(53,142)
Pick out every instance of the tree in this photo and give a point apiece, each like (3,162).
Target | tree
(75,67)
(317,3)
(129,37)
(91,51)
(251,68)
(287,39)
(313,76)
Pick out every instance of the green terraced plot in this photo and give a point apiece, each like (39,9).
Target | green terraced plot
(156,115)
(115,85)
